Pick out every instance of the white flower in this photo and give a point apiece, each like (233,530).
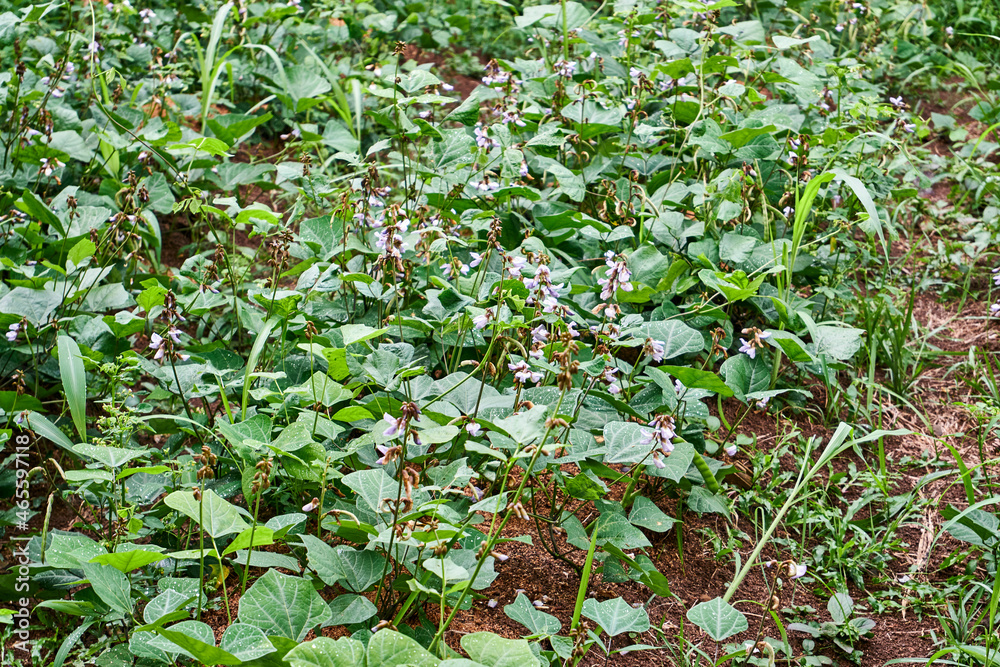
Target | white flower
(949,31)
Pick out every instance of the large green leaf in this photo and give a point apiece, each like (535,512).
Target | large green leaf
(677,337)
(325,652)
(538,622)
(745,375)
(718,618)
(246,642)
(495,651)
(392,649)
(616,616)
(111,585)
(283,605)
(217,518)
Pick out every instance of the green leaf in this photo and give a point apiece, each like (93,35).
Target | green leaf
(351,609)
(538,622)
(357,333)
(36,208)
(694,378)
(387,648)
(840,607)
(583,487)
(718,619)
(112,457)
(745,375)
(645,513)
(111,585)
(245,642)
(703,501)
(325,652)
(261,536)
(126,561)
(74,381)
(43,427)
(217,518)
(625,442)
(677,337)
(495,651)
(195,640)
(735,286)
(283,605)
(83,249)
(616,616)
(840,343)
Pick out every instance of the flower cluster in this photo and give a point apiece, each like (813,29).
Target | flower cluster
(755,343)
(618,276)
(524,374)
(662,434)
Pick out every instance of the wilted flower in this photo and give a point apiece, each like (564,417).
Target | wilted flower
(311,505)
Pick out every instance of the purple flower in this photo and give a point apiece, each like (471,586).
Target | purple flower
(748,349)
(662,434)
(474,429)
(395,425)
(796,571)
(523,373)
(156,342)
(539,334)
(731,451)
(12,333)
(480,321)
(476,259)
(654,349)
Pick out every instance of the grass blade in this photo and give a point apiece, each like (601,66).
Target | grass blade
(74,381)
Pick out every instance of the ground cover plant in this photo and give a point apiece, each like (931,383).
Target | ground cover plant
(499,333)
